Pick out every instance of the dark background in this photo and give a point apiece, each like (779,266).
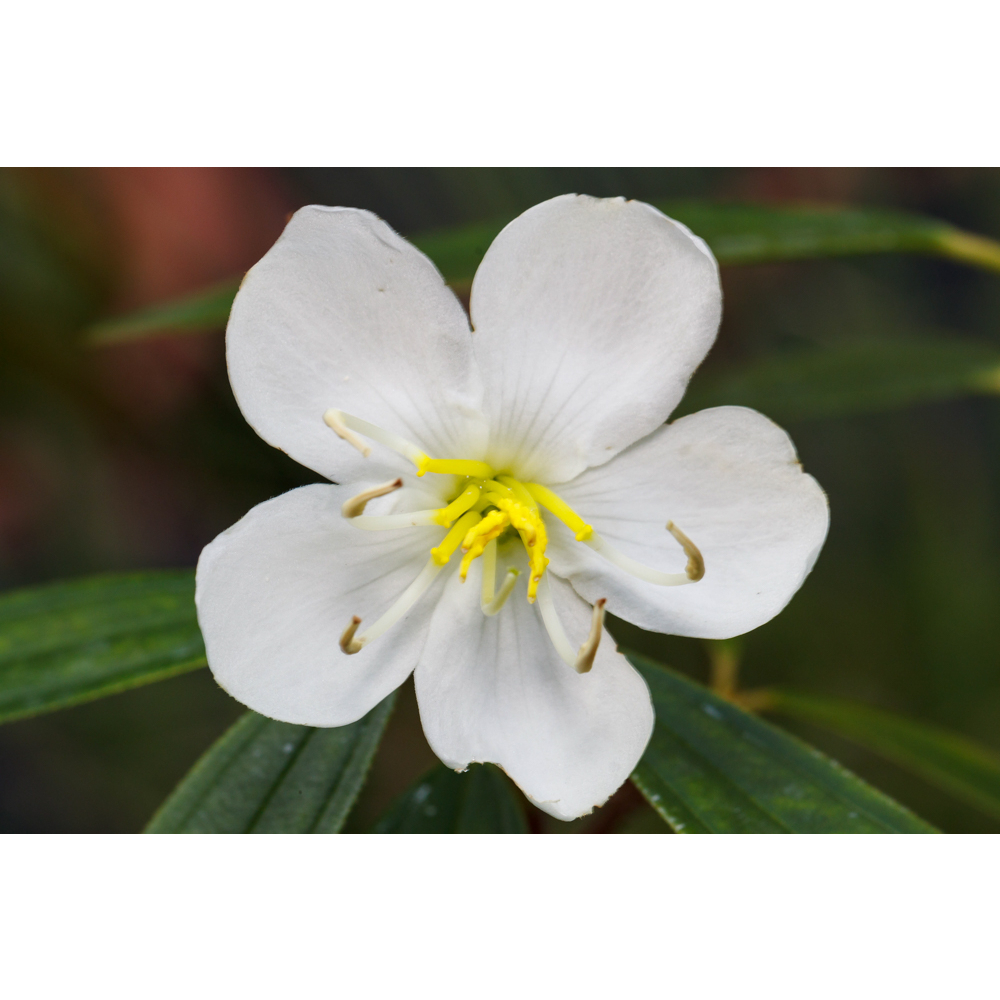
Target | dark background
(135,456)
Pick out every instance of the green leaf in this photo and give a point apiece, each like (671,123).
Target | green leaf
(205,310)
(737,234)
(857,377)
(457,252)
(480,800)
(263,776)
(713,768)
(67,643)
(755,234)
(966,769)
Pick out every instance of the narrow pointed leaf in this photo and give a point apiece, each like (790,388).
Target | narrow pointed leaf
(966,769)
(204,310)
(480,800)
(737,234)
(66,643)
(858,377)
(758,233)
(713,768)
(263,776)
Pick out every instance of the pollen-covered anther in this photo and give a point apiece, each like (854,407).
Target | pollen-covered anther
(479,536)
(585,658)
(347,641)
(356,505)
(695,568)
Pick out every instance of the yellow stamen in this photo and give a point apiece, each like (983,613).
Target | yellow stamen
(519,492)
(463,502)
(556,505)
(531,528)
(455,467)
(481,534)
(449,543)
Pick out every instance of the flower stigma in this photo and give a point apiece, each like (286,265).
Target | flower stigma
(489,506)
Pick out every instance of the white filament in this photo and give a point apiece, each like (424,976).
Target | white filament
(550,618)
(603,548)
(384,522)
(491,602)
(344,423)
(406,600)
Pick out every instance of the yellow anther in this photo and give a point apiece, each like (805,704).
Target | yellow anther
(480,535)
(556,505)
(450,542)
(531,528)
(467,499)
(455,467)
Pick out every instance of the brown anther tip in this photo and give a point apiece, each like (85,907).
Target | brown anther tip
(356,505)
(695,568)
(348,643)
(588,651)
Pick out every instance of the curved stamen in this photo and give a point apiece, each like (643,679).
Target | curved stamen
(555,504)
(344,424)
(489,602)
(450,542)
(347,643)
(550,619)
(695,568)
(350,643)
(693,572)
(585,658)
(356,505)
(467,499)
(442,516)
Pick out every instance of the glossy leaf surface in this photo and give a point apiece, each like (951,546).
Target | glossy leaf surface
(853,378)
(966,769)
(263,776)
(737,234)
(712,768)
(480,800)
(71,642)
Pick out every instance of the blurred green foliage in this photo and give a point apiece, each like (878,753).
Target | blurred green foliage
(899,613)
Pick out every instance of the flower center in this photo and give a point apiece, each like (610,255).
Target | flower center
(486,506)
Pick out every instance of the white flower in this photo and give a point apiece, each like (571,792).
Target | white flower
(545,423)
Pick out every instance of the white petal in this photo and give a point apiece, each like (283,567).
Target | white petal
(590,316)
(729,479)
(494,689)
(343,313)
(276,591)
